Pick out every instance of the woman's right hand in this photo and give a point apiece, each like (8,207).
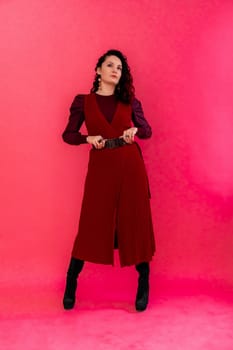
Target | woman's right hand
(97,141)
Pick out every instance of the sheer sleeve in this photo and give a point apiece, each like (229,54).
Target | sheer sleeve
(72,135)
(144,129)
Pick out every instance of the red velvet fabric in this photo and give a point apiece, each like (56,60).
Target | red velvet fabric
(116,196)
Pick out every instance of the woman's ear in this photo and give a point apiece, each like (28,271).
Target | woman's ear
(98,70)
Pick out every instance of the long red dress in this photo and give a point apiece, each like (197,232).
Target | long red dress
(116,195)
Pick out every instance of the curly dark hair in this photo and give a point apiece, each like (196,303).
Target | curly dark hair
(124,90)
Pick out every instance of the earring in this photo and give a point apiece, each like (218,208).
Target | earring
(99,82)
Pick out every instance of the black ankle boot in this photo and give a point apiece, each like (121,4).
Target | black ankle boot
(74,269)
(142,295)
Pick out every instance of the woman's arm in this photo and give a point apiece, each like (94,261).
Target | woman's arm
(72,134)
(139,121)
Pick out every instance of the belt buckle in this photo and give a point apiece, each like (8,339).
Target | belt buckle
(116,142)
(111,143)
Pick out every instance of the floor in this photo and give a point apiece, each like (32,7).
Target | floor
(182,314)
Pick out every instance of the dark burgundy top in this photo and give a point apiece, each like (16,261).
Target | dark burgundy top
(107,105)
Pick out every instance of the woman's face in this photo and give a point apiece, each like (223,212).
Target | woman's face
(110,70)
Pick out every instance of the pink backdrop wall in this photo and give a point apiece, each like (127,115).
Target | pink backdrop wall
(181,54)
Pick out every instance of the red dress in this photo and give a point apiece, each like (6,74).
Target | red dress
(116,195)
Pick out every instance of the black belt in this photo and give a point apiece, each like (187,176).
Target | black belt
(113,143)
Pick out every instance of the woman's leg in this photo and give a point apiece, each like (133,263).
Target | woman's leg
(75,267)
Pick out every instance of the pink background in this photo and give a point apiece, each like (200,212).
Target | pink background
(181,55)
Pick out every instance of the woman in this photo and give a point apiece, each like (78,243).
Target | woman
(116,203)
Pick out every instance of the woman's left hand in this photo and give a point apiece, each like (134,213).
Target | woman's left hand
(128,135)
